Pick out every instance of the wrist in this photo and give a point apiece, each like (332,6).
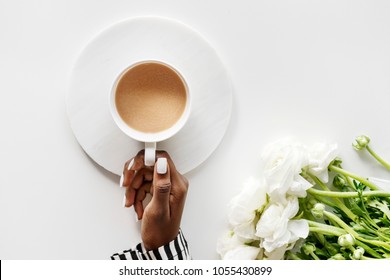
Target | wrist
(152,242)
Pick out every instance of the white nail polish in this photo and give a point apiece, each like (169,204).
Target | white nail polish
(121,181)
(162,166)
(124,201)
(130,164)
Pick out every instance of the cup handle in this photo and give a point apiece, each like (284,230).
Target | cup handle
(150,153)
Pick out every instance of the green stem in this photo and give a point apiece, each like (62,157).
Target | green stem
(376,243)
(367,258)
(324,200)
(366,217)
(293,256)
(384,163)
(368,249)
(314,256)
(350,183)
(354,233)
(338,203)
(319,182)
(320,237)
(341,223)
(313,224)
(324,231)
(348,194)
(354,176)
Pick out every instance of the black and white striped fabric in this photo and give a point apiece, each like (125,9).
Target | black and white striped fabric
(177,249)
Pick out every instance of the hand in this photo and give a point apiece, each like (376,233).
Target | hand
(162,216)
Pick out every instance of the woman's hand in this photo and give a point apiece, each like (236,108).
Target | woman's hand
(162,216)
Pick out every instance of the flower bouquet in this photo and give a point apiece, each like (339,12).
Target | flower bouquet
(304,205)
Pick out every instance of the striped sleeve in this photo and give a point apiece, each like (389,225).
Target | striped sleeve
(177,249)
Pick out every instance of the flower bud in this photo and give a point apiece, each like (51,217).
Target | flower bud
(338,257)
(346,240)
(337,162)
(358,253)
(361,142)
(339,182)
(308,248)
(318,210)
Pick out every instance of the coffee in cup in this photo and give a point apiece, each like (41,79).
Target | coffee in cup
(150,102)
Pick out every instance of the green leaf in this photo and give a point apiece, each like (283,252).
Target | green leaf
(381,206)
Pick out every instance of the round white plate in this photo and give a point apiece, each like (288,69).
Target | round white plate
(148,38)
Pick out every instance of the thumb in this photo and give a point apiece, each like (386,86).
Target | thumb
(161,186)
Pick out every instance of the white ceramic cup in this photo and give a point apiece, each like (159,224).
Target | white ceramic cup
(150,139)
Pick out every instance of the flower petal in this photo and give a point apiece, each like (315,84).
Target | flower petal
(242,252)
(320,156)
(276,254)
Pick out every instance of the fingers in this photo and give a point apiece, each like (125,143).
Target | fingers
(142,176)
(130,169)
(139,198)
(134,173)
(168,185)
(161,186)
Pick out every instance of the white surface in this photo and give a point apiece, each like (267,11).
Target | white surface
(317,70)
(90,102)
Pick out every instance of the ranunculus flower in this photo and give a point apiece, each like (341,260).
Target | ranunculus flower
(299,186)
(228,241)
(276,254)
(242,208)
(262,217)
(243,252)
(275,227)
(320,156)
(282,163)
(231,247)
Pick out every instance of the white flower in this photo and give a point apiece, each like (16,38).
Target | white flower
(320,156)
(228,241)
(276,228)
(278,253)
(261,216)
(283,161)
(242,208)
(299,186)
(232,247)
(243,252)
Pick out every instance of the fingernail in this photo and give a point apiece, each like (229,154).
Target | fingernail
(124,201)
(121,181)
(130,164)
(162,166)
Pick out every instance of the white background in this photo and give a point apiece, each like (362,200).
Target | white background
(314,70)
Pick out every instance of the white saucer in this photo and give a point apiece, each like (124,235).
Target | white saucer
(148,38)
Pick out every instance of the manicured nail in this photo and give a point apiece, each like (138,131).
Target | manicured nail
(124,201)
(162,166)
(121,181)
(130,164)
